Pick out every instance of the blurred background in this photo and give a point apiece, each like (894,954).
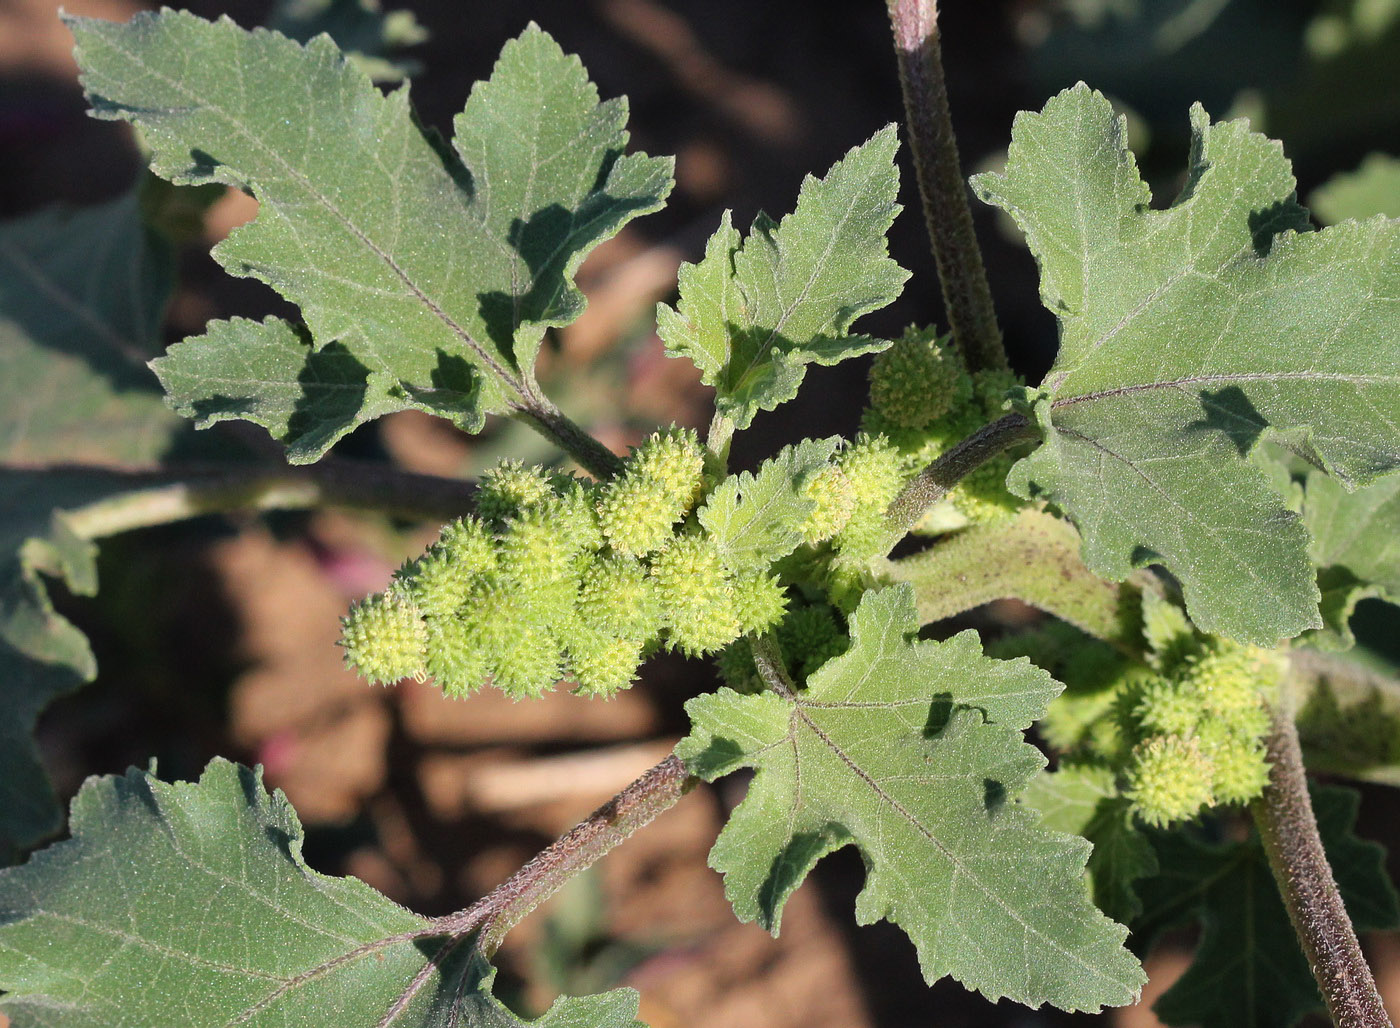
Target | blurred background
(217,636)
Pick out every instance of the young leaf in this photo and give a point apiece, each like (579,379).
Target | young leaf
(1248,969)
(1084,799)
(753,313)
(431,269)
(913,751)
(756,519)
(1187,334)
(82,298)
(189,904)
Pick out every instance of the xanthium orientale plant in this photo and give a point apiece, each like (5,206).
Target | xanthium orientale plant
(1196,494)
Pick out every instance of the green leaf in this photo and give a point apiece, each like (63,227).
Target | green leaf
(1084,800)
(1356,547)
(29,809)
(188,905)
(1348,717)
(1033,558)
(82,299)
(913,751)
(361,28)
(753,313)
(1187,335)
(431,269)
(269,373)
(1373,188)
(754,520)
(37,539)
(42,653)
(1248,971)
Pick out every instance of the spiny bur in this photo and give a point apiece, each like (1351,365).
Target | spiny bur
(385,638)
(1169,780)
(917,380)
(696,596)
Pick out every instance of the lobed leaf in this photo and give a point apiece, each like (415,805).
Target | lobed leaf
(1248,969)
(1083,799)
(754,312)
(82,300)
(436,271)
(1356,547)
(912,750)
(1348,716)
(189,905)
(756,519)
(29,810)
(1187,336)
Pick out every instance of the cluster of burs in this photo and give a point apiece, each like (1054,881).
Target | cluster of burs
(1183,731)
(555,578)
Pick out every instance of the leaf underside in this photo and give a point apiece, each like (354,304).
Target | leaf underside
(755,312)
(913,751)
(1188,335)
(189,905)
(433,271)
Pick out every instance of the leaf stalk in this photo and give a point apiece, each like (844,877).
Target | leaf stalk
(1288,830)
(932,484)
(961,273)
(637,805)
(160,497)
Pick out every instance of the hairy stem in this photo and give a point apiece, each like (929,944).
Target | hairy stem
(496,913)
(768,660)
(933,483)
(961,273)
(157,498)
(1284,817)
(595,458)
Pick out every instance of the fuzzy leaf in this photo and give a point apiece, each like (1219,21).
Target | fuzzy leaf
(42,653)
(361,28)
(430,268)
(756,519)
(82,298)
(1373,188)
(1084,800)
(1033,558)
(1248,971)
(753,313)
(189,905)
(1356,547)
(1348,717)
(913,751)
(1187,335)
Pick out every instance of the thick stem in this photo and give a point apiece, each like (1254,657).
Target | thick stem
(933,483)
(934,146)
(1284,818)
(157,498)
(635,806)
